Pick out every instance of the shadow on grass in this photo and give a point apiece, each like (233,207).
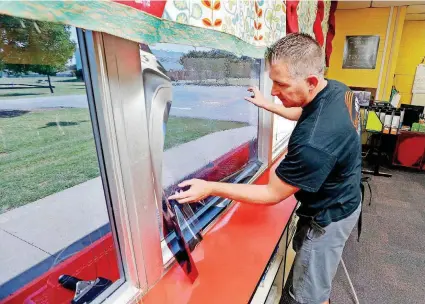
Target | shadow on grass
(19,94)
(70,80)
(60,124)
(12,113)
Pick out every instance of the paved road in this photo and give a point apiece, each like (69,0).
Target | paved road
(224,103)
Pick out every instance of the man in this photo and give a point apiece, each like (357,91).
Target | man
(322,167)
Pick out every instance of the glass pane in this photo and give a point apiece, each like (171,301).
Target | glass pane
(282,129)
(53,216)
(210,130)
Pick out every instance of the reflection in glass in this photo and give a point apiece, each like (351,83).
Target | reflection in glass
(211,131)
(53,217)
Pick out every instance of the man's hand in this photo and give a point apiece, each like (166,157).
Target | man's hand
(272,193)
(258,98)
(199,189)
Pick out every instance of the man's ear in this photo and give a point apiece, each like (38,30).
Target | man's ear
(312,82)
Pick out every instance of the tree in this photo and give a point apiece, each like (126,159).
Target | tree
(221,64)
(39,47)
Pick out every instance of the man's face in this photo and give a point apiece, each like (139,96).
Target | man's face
(292,92)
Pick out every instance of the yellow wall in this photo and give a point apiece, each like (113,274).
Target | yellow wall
(369,21)
(393,52)
(412,52)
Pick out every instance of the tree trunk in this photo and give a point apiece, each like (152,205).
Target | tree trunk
(50,84)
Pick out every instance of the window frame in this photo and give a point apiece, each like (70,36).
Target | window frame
(115,67)
(112,65)
(281,144)
(90,70)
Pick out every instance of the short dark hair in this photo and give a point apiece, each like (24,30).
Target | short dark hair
(301,52)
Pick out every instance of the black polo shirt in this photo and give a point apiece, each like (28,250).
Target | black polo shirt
(324,158)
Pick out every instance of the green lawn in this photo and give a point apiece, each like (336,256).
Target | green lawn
(44,152)
(182,130)
(63,86)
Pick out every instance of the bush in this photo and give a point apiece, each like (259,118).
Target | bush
(79,74)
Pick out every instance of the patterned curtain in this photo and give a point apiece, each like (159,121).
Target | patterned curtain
(316,18)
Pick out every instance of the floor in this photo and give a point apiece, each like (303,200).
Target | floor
(388,264)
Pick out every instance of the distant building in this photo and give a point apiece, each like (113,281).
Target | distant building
(65,74)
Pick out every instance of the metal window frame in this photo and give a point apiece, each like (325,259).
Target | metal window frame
(85,43)
(281,144)
(266,121)
(112,66)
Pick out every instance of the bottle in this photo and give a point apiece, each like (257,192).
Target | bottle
(395,123)
(400,126)
(387,121)
(382,115)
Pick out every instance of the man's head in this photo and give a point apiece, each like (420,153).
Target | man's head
(296,68)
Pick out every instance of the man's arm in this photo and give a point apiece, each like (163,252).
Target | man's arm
(259,100)
(272,193)
(288,113)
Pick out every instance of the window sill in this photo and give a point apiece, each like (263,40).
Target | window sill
(126,293)
(231,258)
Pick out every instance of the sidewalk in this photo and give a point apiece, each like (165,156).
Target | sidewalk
(39,235)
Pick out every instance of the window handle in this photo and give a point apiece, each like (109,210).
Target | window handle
(85,291)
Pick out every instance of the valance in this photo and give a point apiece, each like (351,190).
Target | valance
(240,27)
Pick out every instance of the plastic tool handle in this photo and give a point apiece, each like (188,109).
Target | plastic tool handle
(68,282)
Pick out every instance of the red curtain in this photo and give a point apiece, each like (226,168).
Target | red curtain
(291,16)
(292,24)
(331,32)
(155,7)
(317,26)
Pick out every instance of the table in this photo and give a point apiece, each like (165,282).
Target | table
(376,170)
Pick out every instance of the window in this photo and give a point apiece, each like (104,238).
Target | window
(207,129)
(53,212)
(282,129)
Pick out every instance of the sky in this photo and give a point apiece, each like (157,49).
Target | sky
(159,46)
(75,39)
(74,34)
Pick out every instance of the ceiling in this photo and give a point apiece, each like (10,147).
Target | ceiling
(415,9)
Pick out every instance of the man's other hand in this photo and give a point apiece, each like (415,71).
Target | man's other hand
(199,189)
(258,98)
